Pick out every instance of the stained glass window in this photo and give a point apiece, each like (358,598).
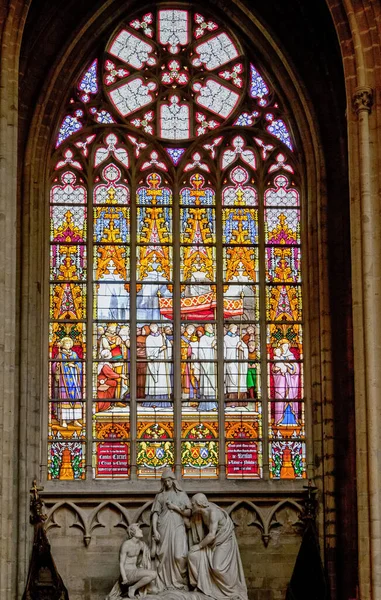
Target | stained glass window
(175,281)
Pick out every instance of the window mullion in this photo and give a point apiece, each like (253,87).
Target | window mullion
(89,328)
(220,332)
(133,327)
(177,328)
(263,332)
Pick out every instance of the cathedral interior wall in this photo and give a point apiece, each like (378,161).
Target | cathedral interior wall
(272,540)
(85,534)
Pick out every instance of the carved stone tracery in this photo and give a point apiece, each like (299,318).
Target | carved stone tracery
(262,515)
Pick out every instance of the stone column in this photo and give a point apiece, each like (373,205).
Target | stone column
(12,19)
(8,315)
(367,319)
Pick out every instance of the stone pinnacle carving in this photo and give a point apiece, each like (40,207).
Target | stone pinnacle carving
(43,582)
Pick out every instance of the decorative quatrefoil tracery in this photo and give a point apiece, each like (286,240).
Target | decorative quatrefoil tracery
(177,75)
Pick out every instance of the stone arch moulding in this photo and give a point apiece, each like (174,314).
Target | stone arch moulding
(68,65)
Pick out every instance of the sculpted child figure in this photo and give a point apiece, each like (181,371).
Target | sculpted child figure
(134,564)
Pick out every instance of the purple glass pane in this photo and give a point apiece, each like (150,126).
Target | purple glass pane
(175,154)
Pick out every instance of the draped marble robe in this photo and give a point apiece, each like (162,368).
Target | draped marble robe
(216,570)
(172,549)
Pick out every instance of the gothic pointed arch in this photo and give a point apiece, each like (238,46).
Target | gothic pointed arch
(175,282)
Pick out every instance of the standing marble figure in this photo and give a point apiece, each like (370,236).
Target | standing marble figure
(214,562)
(169,537)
